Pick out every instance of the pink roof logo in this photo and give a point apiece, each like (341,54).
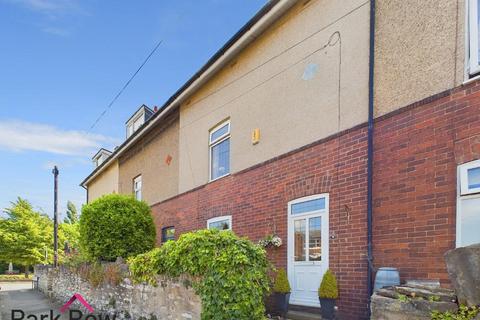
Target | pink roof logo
(78,297)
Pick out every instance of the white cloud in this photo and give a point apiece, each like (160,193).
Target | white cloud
(27,136)
(49,7)
(56,31)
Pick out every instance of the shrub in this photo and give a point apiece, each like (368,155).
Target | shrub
(328,288)
(229,273)
(463,313)
(112,274)
(93,273)
(281,282)
(116,226)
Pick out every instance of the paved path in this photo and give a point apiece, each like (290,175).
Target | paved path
(19,295)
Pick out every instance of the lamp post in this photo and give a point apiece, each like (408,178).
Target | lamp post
(55,216)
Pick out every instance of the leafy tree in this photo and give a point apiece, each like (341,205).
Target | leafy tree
(72,215)
(27,235)
(116,226)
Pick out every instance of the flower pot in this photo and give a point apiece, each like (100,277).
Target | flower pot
(327,308)
(281,302)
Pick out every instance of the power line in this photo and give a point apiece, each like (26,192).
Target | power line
(125,86)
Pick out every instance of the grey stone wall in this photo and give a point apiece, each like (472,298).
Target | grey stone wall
(171,299)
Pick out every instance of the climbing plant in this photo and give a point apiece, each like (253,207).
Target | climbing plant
(229,273)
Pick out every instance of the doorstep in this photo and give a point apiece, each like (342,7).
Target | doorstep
(302,315)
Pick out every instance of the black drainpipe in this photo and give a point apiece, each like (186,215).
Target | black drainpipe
(370,154)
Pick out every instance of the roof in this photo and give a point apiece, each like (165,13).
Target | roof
(100,151)
(142,107)
(221,53)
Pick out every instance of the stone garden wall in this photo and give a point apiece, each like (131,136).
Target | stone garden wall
(171,299)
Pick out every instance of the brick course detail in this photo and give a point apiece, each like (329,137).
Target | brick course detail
(416,155)
(416,152)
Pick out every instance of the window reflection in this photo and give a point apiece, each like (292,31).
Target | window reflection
(315,239)
(299,241)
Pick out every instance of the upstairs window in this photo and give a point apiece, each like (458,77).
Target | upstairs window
(168,233)
(468,204)
(220,223)
(137,187)
(473,36)
(219,144)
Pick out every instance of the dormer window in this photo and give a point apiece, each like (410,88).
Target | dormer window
(100,157)
(138,119)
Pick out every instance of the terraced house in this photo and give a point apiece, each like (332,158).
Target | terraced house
(351,129)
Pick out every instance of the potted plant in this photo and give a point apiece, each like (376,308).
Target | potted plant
(328,293)
(281,289)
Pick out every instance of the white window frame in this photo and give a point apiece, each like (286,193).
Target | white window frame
(463,178)
(215,142)
(139,190)
(472,36)
(464,193)
(218,219)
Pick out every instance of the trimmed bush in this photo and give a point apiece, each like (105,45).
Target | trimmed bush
(116,226)
(328,288)
(281,282)
(229,273)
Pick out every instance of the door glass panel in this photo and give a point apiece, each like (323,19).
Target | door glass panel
(308,206)
(470,220)
(299,240)
(315,239)
(474,178)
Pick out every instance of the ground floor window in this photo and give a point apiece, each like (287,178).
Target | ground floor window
(220,223)
(137,187)
(468,204)
(168,233)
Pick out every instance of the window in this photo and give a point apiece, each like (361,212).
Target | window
(137,123)
(219,143)
(220,223)
(168,233)
(137,187)
(473,32)
(129,130)
(468,204)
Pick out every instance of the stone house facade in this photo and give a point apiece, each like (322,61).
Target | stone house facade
(271,136)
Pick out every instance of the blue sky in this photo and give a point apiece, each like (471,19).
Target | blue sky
(62,61)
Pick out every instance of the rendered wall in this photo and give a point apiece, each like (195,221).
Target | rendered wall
(104,183)
(419,50)
(299,96)
(150,158)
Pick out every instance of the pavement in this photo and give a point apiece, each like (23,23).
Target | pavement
(21,296)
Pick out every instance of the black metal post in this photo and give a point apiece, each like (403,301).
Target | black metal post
(55,217)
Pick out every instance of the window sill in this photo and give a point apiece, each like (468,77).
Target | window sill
(218,178)
(473,79)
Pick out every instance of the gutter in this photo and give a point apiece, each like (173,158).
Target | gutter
(247,34)
(370,154)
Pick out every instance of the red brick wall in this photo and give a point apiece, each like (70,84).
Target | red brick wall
(416,151)
(257,200)
(416,154)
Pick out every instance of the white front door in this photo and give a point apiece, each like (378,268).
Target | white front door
(308,237)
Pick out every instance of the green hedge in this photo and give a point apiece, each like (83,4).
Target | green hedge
(230,273)
(116,226)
